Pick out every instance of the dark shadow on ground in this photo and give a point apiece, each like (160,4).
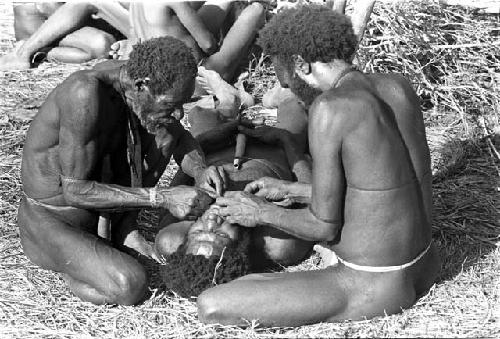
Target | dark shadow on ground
(466,201)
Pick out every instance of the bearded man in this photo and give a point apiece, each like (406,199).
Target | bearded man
(99,138)
(370,200)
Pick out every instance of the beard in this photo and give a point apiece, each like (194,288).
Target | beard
(305,92)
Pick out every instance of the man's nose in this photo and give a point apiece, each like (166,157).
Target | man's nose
(211,222)
(178,113)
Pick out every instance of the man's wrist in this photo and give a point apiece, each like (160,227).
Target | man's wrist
(154,200)
(267,214)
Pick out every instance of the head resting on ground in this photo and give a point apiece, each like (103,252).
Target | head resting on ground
(304,37)
(158,79)
(214,252)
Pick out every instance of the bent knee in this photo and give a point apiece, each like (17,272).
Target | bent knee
(210,309)
(92,41)
(100,45)
(285,251)
(255,9)
(128,287)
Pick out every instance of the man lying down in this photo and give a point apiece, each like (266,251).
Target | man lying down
(198,254)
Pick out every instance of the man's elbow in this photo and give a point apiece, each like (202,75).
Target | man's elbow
(73,190)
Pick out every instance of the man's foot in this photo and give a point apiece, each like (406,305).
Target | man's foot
(276,95)
(14,61)
(228,96)
(136,242)
(121,50)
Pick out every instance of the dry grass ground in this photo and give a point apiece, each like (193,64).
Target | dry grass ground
(452,57)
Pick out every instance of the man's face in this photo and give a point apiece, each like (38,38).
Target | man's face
(285,71)
(210,234)
(160,113)
(154,110)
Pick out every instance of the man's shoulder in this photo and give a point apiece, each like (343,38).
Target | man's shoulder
(78,85)
(339,101)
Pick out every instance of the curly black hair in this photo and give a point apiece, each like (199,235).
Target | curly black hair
(315,32)
(166,61)
(188,275)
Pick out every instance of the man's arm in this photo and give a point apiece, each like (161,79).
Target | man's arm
(80,154)
(189,155)
(297,160)
(195,26)
(323,219)
(79,151)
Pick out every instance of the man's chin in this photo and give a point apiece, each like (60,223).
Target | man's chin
(164,140)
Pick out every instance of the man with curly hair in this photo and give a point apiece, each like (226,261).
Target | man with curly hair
(97,147)
(370,200)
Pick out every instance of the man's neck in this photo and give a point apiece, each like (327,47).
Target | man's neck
(339,69)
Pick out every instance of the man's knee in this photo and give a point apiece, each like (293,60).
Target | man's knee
(128,287)
(255,10)
(100,45)
(210,309)
(27,19)
(93,41)
(282,248)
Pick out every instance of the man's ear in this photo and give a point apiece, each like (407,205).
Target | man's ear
(301,66)
(141,84)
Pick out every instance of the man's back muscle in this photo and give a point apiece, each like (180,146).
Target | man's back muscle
(383,209)
(71,110)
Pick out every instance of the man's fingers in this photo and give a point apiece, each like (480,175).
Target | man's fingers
(252,187)
(222,201)
(261,193)
(218,184)
(223,176)
(209,191)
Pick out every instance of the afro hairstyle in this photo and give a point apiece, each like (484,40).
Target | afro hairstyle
(188,275)
(315,32)
(166,61)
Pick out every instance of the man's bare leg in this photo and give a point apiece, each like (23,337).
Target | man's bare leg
(30,16)
(83,45)
(306,297)
(95,270)
(236,42)
(65,19)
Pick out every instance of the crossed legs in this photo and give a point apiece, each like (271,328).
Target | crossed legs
(94,270)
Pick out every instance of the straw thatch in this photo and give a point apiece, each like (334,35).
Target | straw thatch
(451,54)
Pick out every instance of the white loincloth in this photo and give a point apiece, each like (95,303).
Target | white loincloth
(330,258)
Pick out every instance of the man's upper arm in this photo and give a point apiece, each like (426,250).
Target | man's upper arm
(328,180)
(79,109)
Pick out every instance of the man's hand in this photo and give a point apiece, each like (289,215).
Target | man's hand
(269,188)
(185,201)
(266,134)
(242,208)
(212,179)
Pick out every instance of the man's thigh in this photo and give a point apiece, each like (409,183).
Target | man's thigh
(275,299)
(52,243)
(93,41)
(305,297)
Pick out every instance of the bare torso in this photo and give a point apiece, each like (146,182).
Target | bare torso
(43,164)
(384,156)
